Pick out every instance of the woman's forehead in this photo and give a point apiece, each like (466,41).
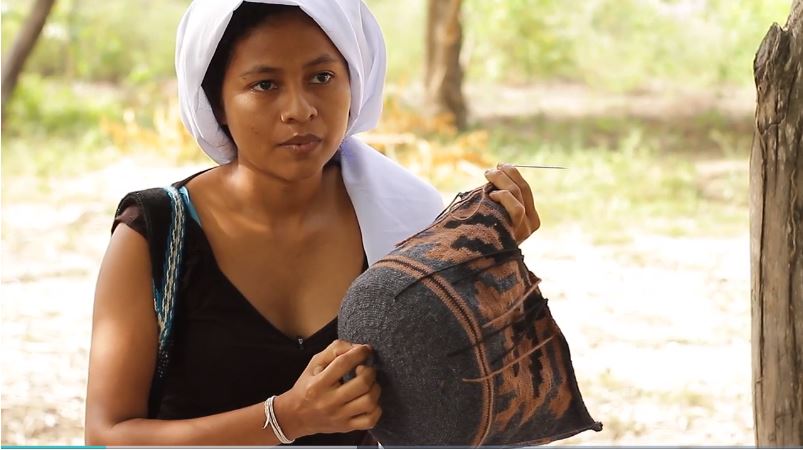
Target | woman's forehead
(287,37)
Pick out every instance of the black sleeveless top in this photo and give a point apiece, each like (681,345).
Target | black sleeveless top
(225,355)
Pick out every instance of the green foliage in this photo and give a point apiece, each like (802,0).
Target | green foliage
(55,107)
(117,41)
(612,44)
(618,44)
(516,40)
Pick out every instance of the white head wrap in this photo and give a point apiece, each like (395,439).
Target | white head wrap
(390,202)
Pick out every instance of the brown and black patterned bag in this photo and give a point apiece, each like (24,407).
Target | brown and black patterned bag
(466,350)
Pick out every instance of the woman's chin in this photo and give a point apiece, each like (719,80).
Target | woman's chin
(298,171)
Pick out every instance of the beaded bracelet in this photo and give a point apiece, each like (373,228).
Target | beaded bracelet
(270,419)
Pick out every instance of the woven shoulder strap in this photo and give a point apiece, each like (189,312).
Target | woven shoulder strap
(164,214)
(164,294)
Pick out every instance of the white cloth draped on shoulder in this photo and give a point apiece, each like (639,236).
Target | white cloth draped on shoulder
(390,202)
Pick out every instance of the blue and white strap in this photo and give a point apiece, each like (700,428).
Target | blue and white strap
(164,296)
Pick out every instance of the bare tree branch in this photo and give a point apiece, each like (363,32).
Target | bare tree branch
(23,45)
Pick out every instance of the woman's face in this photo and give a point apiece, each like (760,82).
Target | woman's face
(286,97)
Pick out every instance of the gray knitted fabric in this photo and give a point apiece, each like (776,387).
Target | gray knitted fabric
(466,350)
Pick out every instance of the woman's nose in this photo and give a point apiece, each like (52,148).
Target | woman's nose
(296,107)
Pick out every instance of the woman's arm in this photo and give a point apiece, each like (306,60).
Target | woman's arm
(122,361)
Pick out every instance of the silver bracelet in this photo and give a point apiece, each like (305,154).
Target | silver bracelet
(270,419)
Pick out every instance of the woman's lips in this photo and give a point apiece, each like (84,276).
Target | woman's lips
(301,148)
(302,143)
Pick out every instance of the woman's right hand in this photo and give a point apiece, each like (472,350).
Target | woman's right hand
(320,403)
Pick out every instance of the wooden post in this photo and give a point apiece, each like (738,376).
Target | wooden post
(776,236)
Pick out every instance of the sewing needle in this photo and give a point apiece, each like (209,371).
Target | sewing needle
(530,166)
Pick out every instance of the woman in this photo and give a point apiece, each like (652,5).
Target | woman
(295,212)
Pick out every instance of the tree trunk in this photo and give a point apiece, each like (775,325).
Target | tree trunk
(776,236)
(23,44)
(444,75)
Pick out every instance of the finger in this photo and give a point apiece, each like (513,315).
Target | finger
(359,385)
(363,404)
(512,205)
(344,363)
(503,182)
(526,193)
(366,421)
(321,360)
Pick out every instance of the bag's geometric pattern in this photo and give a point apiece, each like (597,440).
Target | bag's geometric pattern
(466,348)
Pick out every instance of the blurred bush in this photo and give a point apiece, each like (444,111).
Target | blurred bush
(618,44)
(117,41)
(610,44)
(101,75)
(43,106)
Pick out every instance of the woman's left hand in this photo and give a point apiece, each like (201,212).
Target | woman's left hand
(514,194)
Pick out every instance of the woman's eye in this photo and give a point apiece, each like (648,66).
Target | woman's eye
(322,78)
(265,85)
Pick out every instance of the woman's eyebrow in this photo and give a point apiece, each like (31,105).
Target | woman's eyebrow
(259,69)
(325,58)
(263,69)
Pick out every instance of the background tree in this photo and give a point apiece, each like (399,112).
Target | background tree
(443,73)
(23,44)
(776,235)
